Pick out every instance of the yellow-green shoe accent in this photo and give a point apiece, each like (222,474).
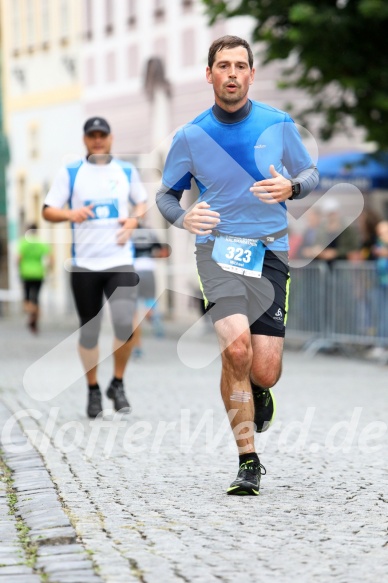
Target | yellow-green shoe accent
(247,482)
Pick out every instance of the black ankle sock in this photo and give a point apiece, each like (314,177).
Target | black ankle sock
(248,457)
(94,387)
(117,380)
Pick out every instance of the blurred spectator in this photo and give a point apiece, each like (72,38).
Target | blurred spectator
(33,256)
(294,242)
(308,244)
(146,248)
(364,286)
(334,241)
(367,223)
(380,250)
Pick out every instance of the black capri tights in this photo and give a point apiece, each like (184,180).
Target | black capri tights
(32,290)
(118,285)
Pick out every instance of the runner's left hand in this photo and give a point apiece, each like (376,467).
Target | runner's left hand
(124,234)
(272,190)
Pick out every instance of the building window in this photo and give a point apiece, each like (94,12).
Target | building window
(64,21)
(188,48)
(21,190)
(109,16)
(90,74)
(88,16)
(33,140)
(30,24)
(187,5)
(45,20)
(22,221)
(133,59)
(132,13)
(160,49)
(36,205)
(159,10)
(16,27)
(111,67)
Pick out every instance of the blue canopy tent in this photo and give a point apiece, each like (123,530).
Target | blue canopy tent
(366,171)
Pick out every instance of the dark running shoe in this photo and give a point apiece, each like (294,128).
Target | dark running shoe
(265,408)
(116,393)
(247,482)
(94,403)
(33,325)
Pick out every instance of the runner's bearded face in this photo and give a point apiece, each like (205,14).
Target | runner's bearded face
(98,143)
(231,77)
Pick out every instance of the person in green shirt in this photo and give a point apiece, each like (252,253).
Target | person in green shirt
(34,256)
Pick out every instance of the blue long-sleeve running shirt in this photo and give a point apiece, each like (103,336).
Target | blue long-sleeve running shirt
(225,158)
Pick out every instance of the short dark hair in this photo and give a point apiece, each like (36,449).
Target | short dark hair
(228,42)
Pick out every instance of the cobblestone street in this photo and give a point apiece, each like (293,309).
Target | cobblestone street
(141,497)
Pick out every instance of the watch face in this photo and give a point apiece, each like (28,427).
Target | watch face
(295,189)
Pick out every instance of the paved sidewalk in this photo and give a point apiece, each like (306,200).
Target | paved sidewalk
(145,493)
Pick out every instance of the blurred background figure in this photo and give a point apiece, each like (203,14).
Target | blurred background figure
(380,250)
(328,240)
(34,258)
(366,224)
(334,242)
(294,241)
(365,284)
(307,248)
(147,248)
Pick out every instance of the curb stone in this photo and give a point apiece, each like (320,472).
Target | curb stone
(35,527)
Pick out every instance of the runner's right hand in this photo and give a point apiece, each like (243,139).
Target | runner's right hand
(200,220)
(81,214)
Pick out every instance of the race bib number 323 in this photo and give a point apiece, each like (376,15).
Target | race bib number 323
(239,255)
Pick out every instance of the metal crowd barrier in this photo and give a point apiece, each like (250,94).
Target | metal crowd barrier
(344,303)
(306,310)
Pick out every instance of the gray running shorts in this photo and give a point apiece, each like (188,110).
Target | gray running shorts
(263,300)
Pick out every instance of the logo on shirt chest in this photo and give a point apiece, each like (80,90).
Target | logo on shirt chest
(113,186)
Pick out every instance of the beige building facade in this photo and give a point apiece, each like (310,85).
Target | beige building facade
(42,116)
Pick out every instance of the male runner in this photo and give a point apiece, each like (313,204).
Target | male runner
(236,152)
(98,192)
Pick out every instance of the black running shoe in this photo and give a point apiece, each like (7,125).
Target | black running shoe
(33,325)
(117,394)
(265,408)
(94,403)
(247,482)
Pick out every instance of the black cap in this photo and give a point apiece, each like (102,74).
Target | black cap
(96,124)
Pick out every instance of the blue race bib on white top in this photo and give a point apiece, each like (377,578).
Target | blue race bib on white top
(107,208)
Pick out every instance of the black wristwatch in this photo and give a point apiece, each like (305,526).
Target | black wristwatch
(295,187)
